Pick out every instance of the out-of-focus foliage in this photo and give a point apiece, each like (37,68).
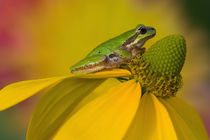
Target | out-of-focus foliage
(198,12)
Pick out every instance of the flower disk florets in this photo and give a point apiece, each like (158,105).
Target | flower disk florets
(158,68)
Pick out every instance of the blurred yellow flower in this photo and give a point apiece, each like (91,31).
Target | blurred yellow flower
(130,110)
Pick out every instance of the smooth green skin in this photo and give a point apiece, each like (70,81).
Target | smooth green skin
(121,46)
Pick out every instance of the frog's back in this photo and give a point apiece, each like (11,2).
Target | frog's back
(109,46)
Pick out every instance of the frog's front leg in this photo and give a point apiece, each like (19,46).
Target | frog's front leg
(128,55)
(134,52)
(123,54)
(96,63)
(118,58)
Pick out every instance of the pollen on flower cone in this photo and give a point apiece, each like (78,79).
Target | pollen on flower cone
(167,55)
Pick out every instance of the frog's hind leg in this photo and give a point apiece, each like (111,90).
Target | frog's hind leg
(92,69)
(113,61)
(90,64)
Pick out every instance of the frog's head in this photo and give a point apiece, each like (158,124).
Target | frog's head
(143,33)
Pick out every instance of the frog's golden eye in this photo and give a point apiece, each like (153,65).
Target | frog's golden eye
(143,31)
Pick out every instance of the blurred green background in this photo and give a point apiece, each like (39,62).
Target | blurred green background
(42,38)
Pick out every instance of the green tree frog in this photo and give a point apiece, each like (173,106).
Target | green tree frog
(114,52)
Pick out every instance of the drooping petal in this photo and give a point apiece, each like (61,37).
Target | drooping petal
(107,117)
(152,121)
(186,120)
(17,92)
(57,104)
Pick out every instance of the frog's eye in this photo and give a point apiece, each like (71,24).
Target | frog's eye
(143,31)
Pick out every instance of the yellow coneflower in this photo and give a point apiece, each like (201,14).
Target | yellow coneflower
(143,106)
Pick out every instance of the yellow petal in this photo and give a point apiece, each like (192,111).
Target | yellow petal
(152,121)
(107,74)
(97,92)
(186,120)
(17,92)
(105,118)
(57,104)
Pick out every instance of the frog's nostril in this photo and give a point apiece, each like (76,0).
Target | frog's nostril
(152,28)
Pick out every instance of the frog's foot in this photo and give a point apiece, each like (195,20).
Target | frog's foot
(97,63)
